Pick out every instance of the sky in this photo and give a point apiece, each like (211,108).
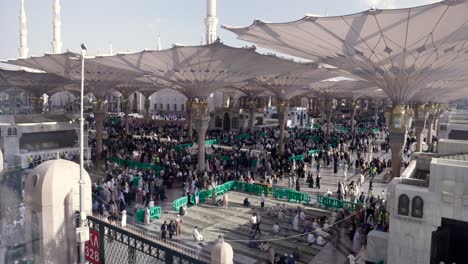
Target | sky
(132,25)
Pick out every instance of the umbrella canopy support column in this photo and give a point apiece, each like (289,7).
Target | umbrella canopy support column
(418,127)
(126,106)
(282,113)
(147,107)
(99,112)
(430,127)
(118,105)
(397,136)
(200,113)
(353,114)
(189,117)
(328,114)
(419,124)
(397,139)
(252,110)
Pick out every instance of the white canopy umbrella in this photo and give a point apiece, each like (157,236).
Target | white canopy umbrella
(400,50)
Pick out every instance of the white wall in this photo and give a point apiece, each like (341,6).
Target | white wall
(446,197)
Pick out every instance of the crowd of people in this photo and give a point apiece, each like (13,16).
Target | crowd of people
(241,158)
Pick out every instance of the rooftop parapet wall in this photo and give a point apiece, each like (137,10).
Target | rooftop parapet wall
(451,147)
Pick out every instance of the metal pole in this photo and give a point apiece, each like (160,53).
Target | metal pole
(81,182)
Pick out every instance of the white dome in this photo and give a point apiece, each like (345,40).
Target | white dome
(222,253)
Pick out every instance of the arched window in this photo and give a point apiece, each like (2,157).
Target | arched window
(182,106)
(168,108)
(14,131)
(403,205)
(175,107)
(417,207)
(218,122)
(9,131)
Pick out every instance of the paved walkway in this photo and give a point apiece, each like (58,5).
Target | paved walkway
(234,224)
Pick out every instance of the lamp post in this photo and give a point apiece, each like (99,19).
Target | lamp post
(81,182)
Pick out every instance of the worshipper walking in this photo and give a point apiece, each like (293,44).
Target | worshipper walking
(225,200)
(178,226)
(295,222)
(147,216)
(196,235)
(164,231)
(357,241)
(253,222)
(171,228)
(317,181)
(262,200)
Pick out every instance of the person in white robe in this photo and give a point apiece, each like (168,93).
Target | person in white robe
(124,218)
(147,216)
(320,241)
(310,239)
(196,235)
(296,222)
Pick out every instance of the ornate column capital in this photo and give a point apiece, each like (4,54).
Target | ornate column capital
(200,110)
(283,106)
(147,103)
(100,105)
(396,122)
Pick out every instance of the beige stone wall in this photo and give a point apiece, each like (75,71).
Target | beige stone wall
(52,198)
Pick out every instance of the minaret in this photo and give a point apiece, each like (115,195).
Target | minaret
(57,40)
(211,22)
(23,50)
(159,43)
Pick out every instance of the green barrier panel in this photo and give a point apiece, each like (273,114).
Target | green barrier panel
(225,157)
(211,142)
(135,181)
(228,186)
(263,134)
(140,215)
(219,189)
(375,130)
(116,120)
(155,213)
(179,202)
(204,195)
(298,157)
(243,136)
(299,197)
(183,146)
(135,164)
(281,193)
(313,151)
(316,126)
(328,202)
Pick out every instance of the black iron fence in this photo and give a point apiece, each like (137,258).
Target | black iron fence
(114,244)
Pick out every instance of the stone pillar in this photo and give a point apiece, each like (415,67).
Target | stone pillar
(353,114)
(49,103)
(282,113)
(419,123)
(397,136)
(376,114)
(200,113)
(418,129)
(397,140)
(188,105)
(147,107)
(430,123)
(328,114)
(126,106)
(99,112)
(252,109)
(118,105)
